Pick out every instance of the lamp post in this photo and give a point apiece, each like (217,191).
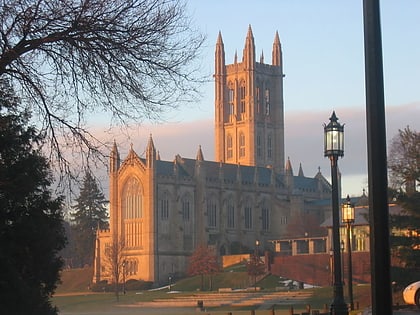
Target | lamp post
(331,266)
(123,270)
(256,262)
(347,215)
(334,148)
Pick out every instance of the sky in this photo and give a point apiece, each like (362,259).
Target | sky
(323,60)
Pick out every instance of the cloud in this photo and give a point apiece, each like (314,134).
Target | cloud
(303,140)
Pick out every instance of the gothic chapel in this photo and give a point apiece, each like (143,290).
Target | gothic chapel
(160,211)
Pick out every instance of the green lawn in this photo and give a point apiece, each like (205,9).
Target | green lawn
(73,297)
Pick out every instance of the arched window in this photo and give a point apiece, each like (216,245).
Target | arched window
(164,207)
(259,146)
(229,147)
(241,145)
(211,213)
(231,99)
(265,218)
(248,215)
(132,212)
(269,147)
(267,102)
(187,214)
(230,214)
(258,99)
(185,209)
(242,94)
(132,201)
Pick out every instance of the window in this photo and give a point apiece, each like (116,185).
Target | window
(241,145)
(242,92)
(265,215)
(211,213)
(229,146)
(164,208)
(130,267)
(132,201)
(258,97)
(269,147)
(230,215)
(248,217)
(283,220)
(259,150)
(185,209)
(267,102)
(231,101)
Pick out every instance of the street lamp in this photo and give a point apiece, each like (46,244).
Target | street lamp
(347,215)
(256,262)
(257,250)
(334,148)
(123,269)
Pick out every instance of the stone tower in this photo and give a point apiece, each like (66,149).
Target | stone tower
(249,119)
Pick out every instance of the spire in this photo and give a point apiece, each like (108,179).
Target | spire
(262,57)
(276,54)
(199,156)
(289,169)
(300,174)
(150,153)
(220,56)
(249,50)
(114,159)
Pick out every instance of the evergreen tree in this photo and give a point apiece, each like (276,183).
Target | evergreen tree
(90,213)
(31,220)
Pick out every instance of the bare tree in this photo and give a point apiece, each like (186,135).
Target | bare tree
(115,261)
(202,262)
(132,59)
(404,159)
(255,267)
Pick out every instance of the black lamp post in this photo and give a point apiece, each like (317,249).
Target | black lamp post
(256,262)
(123,271)
(347,215)
(334,148)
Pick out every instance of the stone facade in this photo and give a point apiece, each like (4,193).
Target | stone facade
(161,210)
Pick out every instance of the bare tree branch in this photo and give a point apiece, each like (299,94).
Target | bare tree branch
(132,59)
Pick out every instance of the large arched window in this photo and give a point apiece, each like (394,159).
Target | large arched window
(132,200)
(269,147)
(132,213)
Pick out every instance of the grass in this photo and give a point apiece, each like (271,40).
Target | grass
(73,297)
(75,280)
